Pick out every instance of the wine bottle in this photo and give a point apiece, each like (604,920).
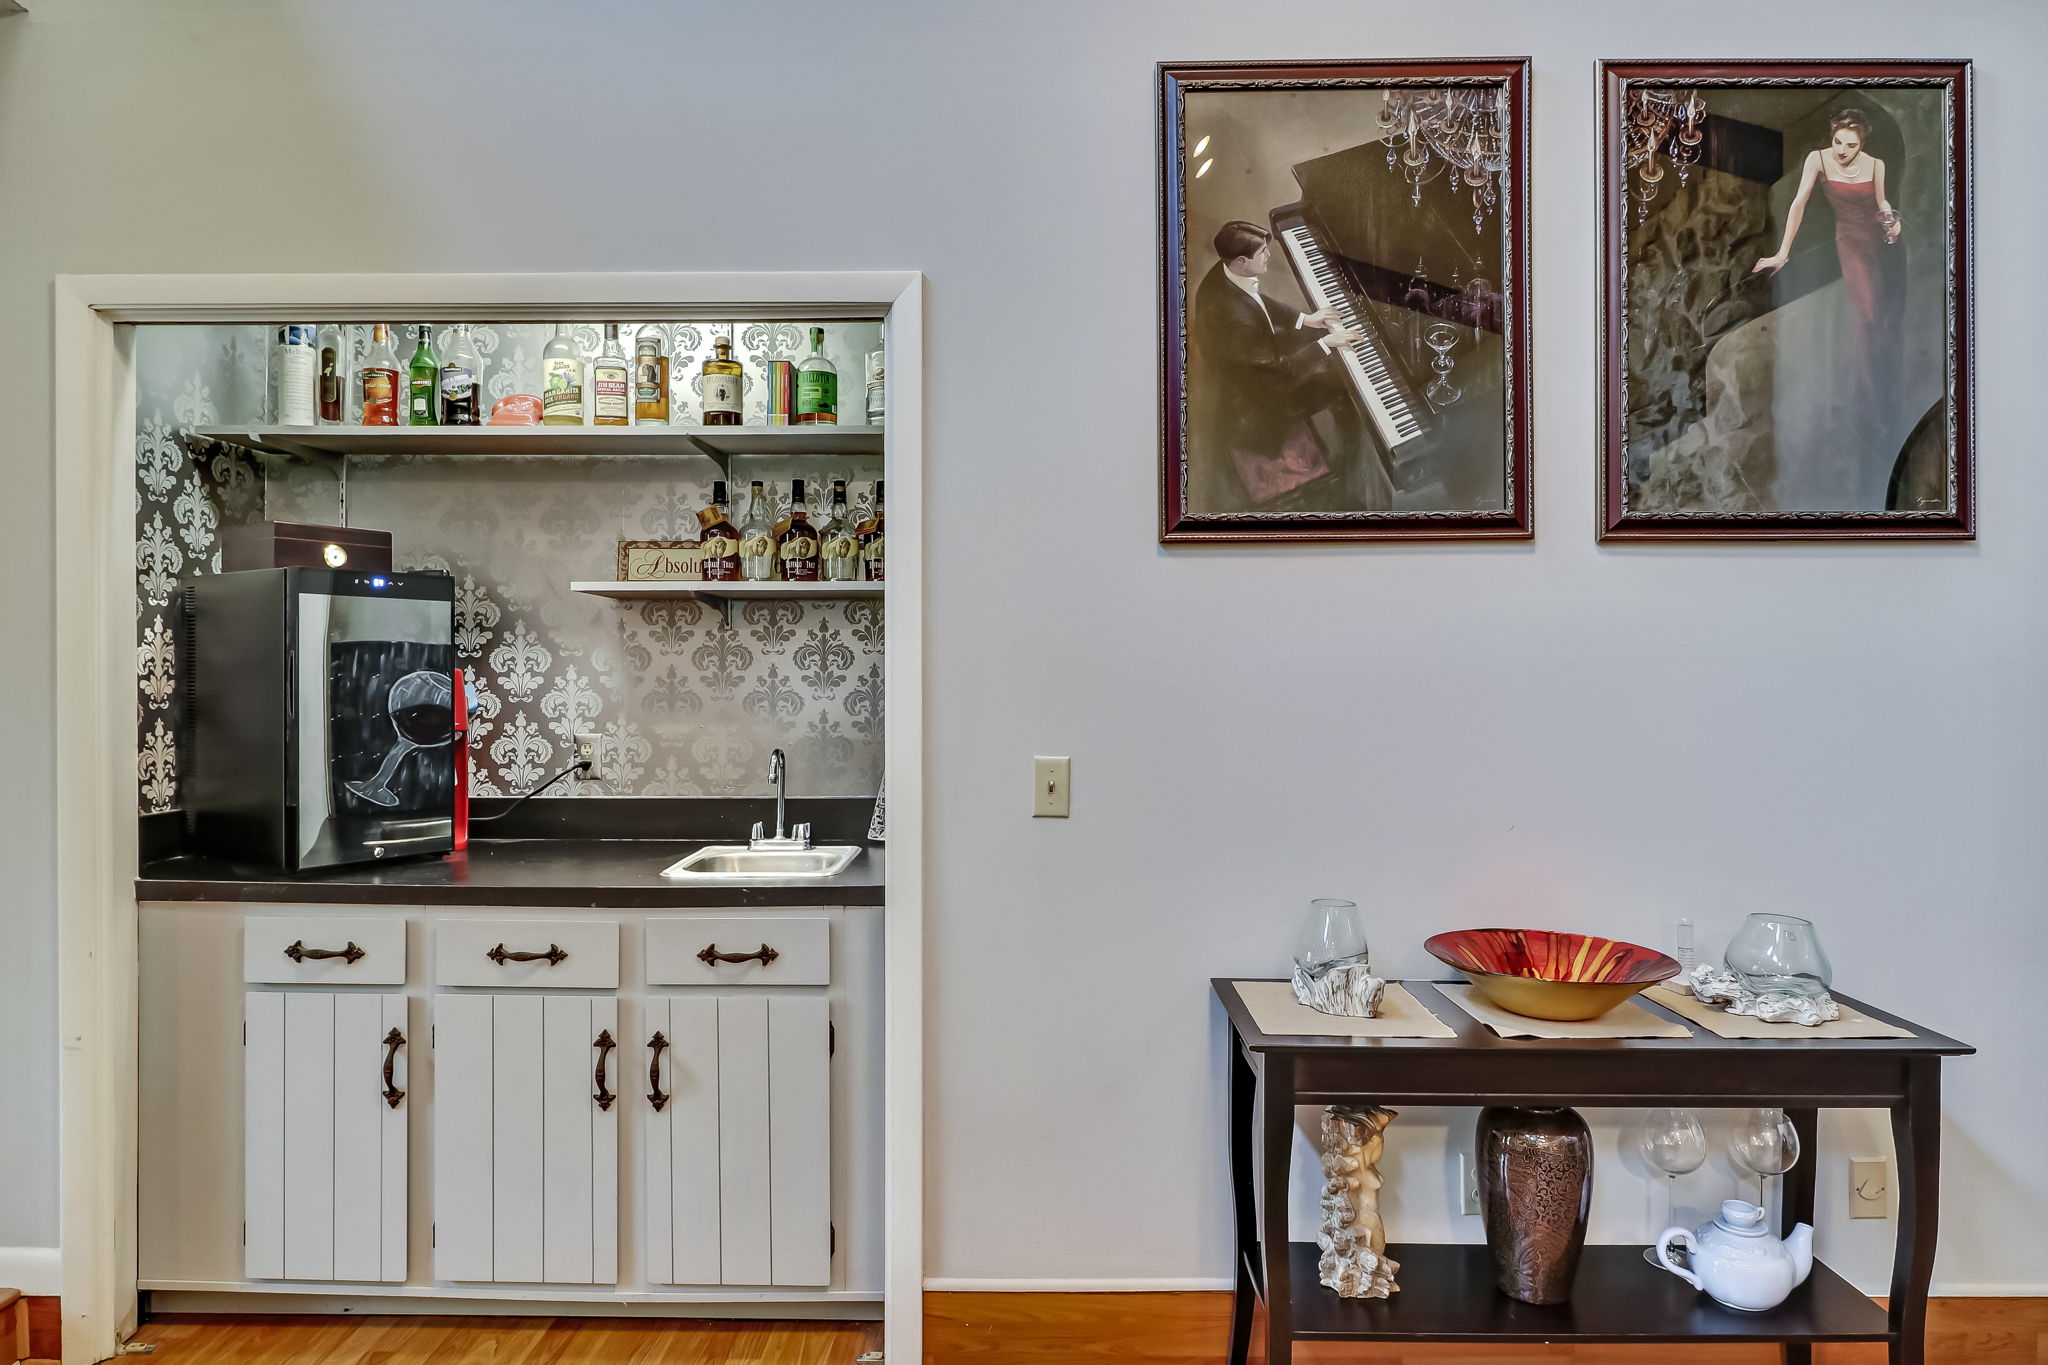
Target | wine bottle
(461,372)
(817,384)
(423,383)
(650,378)
(757,538)
(839,546)
(377,381)
(797,550)
(723,383)
(871,541)
(610,383)
(561,377)
(718,541)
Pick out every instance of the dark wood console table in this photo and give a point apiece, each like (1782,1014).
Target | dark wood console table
(1447,1292)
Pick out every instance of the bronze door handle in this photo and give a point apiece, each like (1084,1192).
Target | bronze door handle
(604,1046)
(763,954)
(555,956)
(658,1043)
(393,1041)
(299,952)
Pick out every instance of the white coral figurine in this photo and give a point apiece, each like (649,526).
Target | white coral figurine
(1350,990)
(1353,1239)
(1718,986)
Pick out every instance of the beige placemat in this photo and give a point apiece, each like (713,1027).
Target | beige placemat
(1854,1023)
(1626,1020)
(1275,1010)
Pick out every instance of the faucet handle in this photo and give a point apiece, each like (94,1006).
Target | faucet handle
(760,831)
(802,833)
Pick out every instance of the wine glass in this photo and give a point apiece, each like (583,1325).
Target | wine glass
(1672,1141)
(1764,1143)
(1441,337)
(422,710)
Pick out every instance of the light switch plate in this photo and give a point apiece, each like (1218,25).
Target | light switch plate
(1869,1189)
(1049,779)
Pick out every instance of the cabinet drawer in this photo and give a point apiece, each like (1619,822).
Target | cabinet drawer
(527,952)
(290,950)
(802,950)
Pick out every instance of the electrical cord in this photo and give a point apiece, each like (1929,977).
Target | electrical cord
(578,766)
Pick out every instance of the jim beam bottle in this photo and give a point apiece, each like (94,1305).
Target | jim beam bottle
(798,548)
(718,539)
(871,541)
(757,538)
(650,378)
(839,545)
(722,386)
(611,383)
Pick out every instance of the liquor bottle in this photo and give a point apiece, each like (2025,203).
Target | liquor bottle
(797,549)
(722,386)
(817,384)
(718,541)
(561,378)
(611,383)
(294,376)
(871,541)
(877,387)
(333,348)
(838,546)
(423,383)
(461,390)
(650,378)
(757,538)
(377,381)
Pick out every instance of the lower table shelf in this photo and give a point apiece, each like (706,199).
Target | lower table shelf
(1448,1294)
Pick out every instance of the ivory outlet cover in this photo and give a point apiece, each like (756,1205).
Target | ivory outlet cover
(1049,779)
(1869,1189)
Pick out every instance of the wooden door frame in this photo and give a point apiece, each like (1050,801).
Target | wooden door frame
(94,452)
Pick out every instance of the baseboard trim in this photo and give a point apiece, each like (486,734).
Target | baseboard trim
(958,1285)
(35,1271)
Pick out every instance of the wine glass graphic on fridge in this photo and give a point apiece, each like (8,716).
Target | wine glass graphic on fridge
(422,710)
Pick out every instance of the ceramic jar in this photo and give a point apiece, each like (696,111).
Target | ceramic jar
(1535,1185)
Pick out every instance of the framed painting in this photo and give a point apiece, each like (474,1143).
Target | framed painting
(1787,310)
(1345,300)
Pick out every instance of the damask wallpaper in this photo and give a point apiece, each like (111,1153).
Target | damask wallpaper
(685,706)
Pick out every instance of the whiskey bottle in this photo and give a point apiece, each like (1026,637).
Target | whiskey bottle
(839,546)
(333,348)
(423,383)
(871,541)
(461,375)
(877,386)
(718,541)
(757,538)
(817,384)
(722,386)
(610,383)
(797,550)
(377,381)
(650,378)
(561,378)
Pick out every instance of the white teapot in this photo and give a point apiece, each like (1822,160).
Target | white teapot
(1737,1262)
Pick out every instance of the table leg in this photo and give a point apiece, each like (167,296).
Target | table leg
(1244,1198)
(1276,1130)
(1797,1205)
(1916,1146)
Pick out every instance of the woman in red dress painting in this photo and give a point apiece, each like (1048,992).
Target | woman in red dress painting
(1865,226)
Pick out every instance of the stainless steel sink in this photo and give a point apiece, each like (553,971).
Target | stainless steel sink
(738,863)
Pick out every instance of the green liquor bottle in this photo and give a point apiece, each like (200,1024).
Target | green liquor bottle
(423,383)
(817,384)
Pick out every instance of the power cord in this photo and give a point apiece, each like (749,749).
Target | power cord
(578,766)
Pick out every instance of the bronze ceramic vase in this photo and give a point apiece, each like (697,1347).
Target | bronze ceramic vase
(1535,1183)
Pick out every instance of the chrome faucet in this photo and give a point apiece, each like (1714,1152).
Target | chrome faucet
(800,836)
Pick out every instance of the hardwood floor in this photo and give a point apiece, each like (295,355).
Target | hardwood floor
(981,1329)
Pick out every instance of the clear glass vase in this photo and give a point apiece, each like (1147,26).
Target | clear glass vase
(1332,935)
(1780,955)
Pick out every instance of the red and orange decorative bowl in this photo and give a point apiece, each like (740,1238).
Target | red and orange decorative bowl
(1549,975)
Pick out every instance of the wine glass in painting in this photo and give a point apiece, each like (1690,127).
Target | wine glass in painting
(1673,1142)
(422,710)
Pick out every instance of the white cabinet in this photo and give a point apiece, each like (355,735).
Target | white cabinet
(736,1131)
(324,1140)
(526,1138)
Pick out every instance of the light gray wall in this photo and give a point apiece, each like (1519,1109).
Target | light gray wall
(1608,738)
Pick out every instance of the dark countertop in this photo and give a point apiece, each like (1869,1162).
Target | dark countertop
(606,874)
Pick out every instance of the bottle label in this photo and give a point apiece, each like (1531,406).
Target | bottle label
(648,390)
(297,380)
(420,400)
(721,393)
(757,546)
(562,391)
(841,547)
(380,398)
(458,383)
(608,393)
(817,396)
(720,547)
(871,557)
(800,547)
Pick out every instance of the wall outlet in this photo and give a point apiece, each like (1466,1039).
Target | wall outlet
(586,752)
(1468,1184)
(1869,1189)
(1049,779)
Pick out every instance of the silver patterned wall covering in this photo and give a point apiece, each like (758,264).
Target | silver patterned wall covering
(685,706)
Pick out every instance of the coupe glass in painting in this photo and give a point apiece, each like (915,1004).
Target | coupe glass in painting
(1788,292)
(1346,305)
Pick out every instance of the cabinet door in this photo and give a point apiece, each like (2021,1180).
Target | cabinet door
(324,1161)
(526,1138)
(737,1141)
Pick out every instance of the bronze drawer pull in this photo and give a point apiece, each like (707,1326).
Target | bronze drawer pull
(299,952)
(393,1041)
(711,956)
(604,1046)
(658,1043)
(555,956)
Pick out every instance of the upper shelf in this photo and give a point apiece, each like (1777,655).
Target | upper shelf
(719,443)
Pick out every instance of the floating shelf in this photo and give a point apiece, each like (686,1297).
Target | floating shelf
(650,442)
(728,595)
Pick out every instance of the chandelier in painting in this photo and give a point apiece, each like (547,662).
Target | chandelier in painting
(1455,131)
(1667,123)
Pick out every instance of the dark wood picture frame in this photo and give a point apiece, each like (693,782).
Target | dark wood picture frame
(1178,524)
(1954,521)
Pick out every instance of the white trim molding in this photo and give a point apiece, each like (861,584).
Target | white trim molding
(32,1270)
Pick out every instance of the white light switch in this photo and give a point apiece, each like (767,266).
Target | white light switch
(1869,1189)
(1049,778)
